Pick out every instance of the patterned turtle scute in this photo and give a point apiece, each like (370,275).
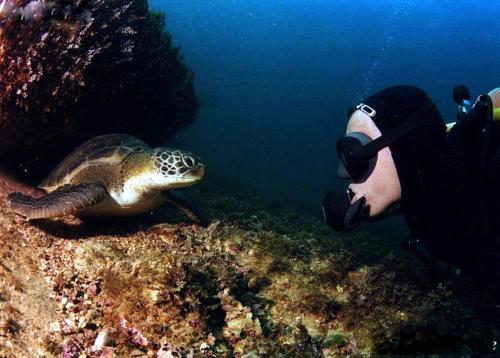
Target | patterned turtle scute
(107,149)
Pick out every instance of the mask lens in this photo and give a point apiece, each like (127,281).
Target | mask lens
(352,164)
(342,172)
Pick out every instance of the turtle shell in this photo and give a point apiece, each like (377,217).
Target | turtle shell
(111,149)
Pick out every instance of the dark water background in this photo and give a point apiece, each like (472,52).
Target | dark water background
(275,78)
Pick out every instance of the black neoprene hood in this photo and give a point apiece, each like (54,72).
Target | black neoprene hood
(416,152)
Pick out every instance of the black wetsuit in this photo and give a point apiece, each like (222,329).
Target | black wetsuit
(455,212)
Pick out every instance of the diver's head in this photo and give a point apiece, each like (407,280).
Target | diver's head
(378,183)
(389,137)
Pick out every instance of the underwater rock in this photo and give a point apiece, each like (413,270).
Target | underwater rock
(154,287)
(72,70)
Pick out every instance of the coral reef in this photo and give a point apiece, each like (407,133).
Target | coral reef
(254,283)
(70,70)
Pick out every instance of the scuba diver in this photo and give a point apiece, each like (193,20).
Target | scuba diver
(401,158)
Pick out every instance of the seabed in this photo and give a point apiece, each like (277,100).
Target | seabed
(260,281)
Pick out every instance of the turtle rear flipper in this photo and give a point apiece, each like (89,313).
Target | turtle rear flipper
(68,199)
(191,210)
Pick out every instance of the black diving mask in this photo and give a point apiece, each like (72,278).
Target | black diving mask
(356,158)
(358,152)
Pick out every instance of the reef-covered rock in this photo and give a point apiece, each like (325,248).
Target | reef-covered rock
(70,70)
(253,284)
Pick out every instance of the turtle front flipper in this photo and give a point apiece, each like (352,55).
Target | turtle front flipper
(66,200)
(191,210)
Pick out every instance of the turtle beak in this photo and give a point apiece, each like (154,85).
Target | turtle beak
(197,172)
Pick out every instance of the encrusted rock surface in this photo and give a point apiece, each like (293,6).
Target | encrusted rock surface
(252,284)
(70,70)
(258,282)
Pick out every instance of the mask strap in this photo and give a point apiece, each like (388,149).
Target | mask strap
(415,121)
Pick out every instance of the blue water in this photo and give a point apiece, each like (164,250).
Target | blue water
(275,78)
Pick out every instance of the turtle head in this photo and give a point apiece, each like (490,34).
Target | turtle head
(175,168)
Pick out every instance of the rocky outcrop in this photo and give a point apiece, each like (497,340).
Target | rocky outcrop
(252,284)
(70,70)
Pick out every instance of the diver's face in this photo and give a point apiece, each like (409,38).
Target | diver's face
(382,188)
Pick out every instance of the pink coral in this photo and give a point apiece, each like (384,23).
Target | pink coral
(37,10)
(8,9)
(133,334)
(71,350)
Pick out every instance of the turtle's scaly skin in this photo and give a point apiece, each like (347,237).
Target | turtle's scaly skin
(69,199)
(112,175)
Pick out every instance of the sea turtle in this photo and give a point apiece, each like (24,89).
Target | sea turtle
(113,175)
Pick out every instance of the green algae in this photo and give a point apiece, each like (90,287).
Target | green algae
(376,301)
(336,339)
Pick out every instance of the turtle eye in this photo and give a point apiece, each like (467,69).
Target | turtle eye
(188,161)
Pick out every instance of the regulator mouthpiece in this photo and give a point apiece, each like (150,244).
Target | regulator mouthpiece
(339,213)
